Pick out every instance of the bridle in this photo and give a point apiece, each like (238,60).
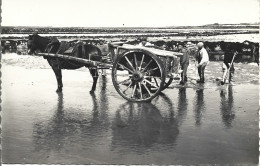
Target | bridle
(30,44)
(34,46)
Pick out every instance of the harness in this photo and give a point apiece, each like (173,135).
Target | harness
(65,48)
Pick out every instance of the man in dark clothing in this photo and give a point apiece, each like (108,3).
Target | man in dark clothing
(184,62)
(228,64)
(254,50)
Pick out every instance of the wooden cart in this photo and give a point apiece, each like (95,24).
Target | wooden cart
(138,73)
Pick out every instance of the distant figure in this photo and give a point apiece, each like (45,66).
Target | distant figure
(164,47)
(174,48)
(104,48)
(184,62)
(202,59)
(254,49)
(145,43)
(228,65)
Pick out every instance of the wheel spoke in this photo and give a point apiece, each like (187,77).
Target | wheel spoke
(121,82)
(134,91)
(140,90)
(148,76)
(141,62)
(150,83)
(127,88)
(146,66)
(130,63)
(147,89)
(152,69)
(136,67)
(131,71)
(124,75)
(155,81)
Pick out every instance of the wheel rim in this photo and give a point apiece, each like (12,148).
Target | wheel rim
(167,83)
(138,76)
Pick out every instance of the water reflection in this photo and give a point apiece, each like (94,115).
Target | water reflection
(73,125)
(100,106)
(182,104)
(133,127)
(137,126)
(199,106)
(226,106)
(165,105)
(54,130)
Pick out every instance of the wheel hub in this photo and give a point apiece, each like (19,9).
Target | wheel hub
(137,76)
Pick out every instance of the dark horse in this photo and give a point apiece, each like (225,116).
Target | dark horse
(80,50)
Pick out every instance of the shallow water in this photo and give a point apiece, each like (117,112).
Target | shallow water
(192,125)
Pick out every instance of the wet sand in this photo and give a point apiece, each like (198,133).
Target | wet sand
(207,124)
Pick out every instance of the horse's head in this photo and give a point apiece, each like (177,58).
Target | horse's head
(31,44)
(36,43)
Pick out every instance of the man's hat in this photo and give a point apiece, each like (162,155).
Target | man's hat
(188,43)
(200,44)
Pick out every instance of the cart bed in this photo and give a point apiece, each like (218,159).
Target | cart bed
(155,51)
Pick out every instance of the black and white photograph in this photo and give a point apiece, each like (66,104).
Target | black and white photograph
(130,82)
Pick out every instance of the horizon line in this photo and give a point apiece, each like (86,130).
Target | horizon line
(170,26)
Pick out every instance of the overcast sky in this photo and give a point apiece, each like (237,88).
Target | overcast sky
(128,13)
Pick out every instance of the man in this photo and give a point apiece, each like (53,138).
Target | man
(145,43)
(228,64)
(254,50)
(202,59)
(184,62)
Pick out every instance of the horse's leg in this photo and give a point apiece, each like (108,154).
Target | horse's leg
(58,75)
(94,74)
(55,67)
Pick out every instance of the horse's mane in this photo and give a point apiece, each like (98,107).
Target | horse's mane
(42,42)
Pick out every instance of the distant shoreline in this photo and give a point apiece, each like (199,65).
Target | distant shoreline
(211,29)
(205,36)
(213,26)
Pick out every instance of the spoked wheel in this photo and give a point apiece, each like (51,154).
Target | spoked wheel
(167,83)
(138,75)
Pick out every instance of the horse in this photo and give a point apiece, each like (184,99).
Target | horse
(37,43)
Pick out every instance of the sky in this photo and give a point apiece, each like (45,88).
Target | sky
(127,13)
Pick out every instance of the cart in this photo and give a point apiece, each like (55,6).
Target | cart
(138,73)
